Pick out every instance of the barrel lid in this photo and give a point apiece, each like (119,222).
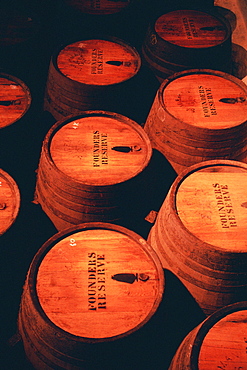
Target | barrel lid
(99,6)
(205,99)
(9,201)
(99,281)
(100,148)
(211,203)
(222,339)
(191,29)
(98,62)
(15,99)
(18,25)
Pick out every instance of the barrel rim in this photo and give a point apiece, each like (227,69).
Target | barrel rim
(203,71)
(207,324)
(60,235)
(97,113)
(178,181)
(15,189)
(212,12)
(99,13)
(27,91)
(9,11)
(103,37)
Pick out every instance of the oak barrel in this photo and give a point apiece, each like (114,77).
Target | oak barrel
(86,286)
(91,74)
(219,342)
(9,201)
(199,115)
(185,39)
(99,7)
(15,99)
(93,168)
(200,232)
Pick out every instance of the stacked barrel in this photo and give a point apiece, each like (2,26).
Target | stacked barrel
(124,226)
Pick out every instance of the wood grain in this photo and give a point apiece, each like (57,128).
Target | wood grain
(200,232)
(83,149)
(219,342)
(76,289)
(15,99)
(98,7)
(199,115)
(91,74)
(9,201)
(93,168)
(191,28)
(98,62)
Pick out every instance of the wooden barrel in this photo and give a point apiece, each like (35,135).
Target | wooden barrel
(15,99)
(19,25)
(186,39)
(91,74)
(219,342)
(19,34)
(199,115)
(88,285)
(200,232)
(99,7)
(92,168)
(9,201)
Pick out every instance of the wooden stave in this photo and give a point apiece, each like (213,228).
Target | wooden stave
(185,237)
(168,218)
(77,5)
(65,349)
(60,90)
(178,131)
(15,20)
(99,199)
(116,211)
(160,68)
(210,289)
(186,56)
(45,152)
(109,203)
(15,200)
(209,292)
(188,159)
(187,354)
(217,149)
(74,96)
(171,255)
(79,197)
(213,277)
(78,207)
(27,92)
(181,161)
(163,68)
(110,207)
(63,217)
(173,124)
(206,144)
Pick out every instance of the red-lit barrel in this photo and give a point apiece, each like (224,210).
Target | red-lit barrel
(93,168)
(91,74)
(200,232)
(15,99)
(86,287)
(186,39)
(199,115)
(9,201)
(219,341)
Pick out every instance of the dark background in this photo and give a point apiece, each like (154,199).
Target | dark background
(55,23)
